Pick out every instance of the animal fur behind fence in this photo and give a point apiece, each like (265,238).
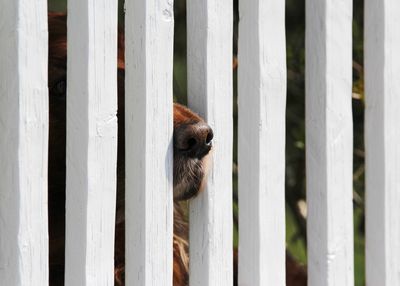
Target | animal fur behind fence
(295,275)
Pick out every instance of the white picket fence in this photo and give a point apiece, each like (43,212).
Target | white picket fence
(92,134)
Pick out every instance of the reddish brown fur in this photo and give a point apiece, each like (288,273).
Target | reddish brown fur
(57,75)
(296,275)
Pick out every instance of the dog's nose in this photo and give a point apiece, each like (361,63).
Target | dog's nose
(194,139)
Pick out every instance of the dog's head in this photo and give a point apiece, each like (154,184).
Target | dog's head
(192,136)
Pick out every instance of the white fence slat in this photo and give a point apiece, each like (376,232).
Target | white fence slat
(91,142)
(382,141)
(210,30)
(23,143)
(149,26)
(262,104)
(329,142)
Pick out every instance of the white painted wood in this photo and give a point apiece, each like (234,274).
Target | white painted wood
(329,142)
(91,142)
(23,143)
(262,104)
(209,59)
(382,141)
(149,26)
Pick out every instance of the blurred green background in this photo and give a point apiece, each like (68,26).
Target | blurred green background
(295,132)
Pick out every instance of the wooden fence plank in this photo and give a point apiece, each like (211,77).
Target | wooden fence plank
(91,142)
(382,141)
(210,30)
(262,104)
(329,142)
(149,26)
(23,143)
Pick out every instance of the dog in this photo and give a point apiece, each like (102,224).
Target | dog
(192,143)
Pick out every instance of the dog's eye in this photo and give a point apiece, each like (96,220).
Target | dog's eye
(60,88)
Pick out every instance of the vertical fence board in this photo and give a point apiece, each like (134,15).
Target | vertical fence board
(262,103)
(91,142)
(149,207)
(329,142)
(23,143)
(210,29)
(382,141)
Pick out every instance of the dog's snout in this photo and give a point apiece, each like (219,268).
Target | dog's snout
(194,139)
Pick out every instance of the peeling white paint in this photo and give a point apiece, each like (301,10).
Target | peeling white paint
(262,104)
(209,57)
(382,141)
(91,142)
(149,28)
(23,143)
(329,142)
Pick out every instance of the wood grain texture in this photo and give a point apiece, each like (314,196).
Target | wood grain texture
(382,141)
(209,59)
(262,110)
(329,142)
(91,142)
(149,26)
(23,143)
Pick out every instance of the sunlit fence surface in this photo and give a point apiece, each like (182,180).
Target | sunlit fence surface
(92,141)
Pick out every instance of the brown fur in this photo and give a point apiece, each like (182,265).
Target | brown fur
(296,274)
(184,167)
